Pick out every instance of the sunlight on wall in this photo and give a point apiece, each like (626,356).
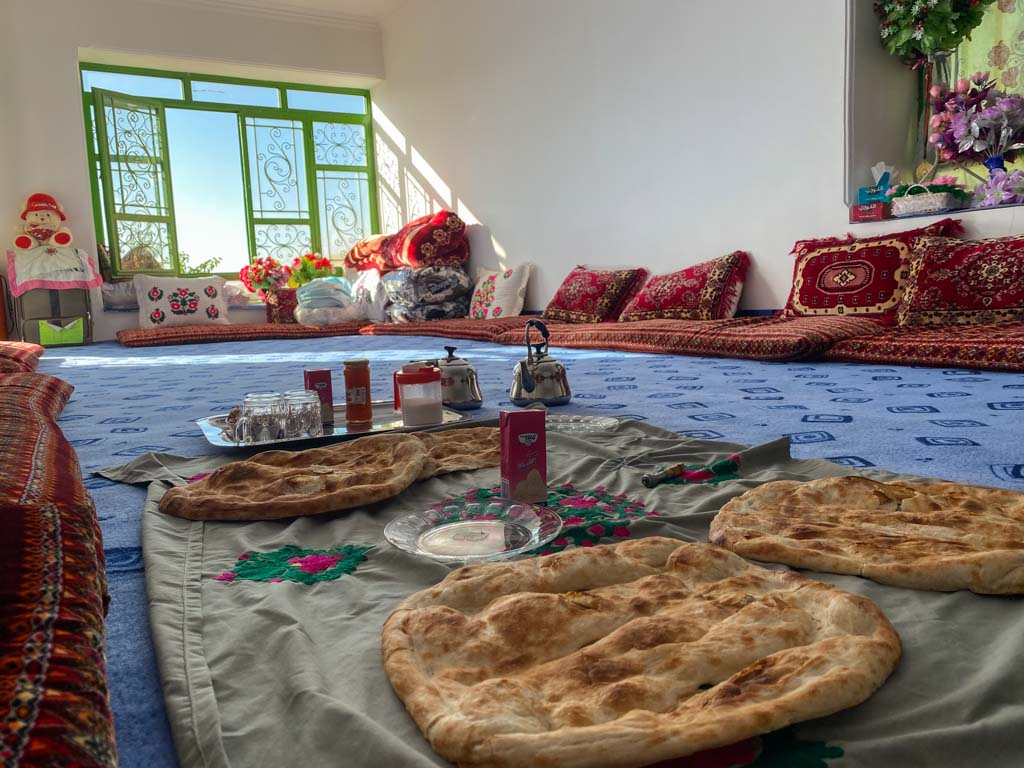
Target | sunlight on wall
(408,187)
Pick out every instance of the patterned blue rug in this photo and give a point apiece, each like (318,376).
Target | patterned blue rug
(956,424)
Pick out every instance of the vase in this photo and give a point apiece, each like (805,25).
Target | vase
(280,305)
(940,65)
(994,163)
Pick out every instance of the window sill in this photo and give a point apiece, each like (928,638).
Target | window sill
(940,214)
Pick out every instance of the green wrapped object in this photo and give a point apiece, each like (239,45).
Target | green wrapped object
(52,334)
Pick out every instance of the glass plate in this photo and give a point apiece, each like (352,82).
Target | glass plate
(568,422)
(475,531)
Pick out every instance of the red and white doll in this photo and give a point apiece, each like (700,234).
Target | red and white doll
(43,217)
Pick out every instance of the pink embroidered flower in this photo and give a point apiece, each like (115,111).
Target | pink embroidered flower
(573,520)
(276,580)
(200,476)
(586,543)
(183,292)
(561,542)
(580,503)
(597,530)
(621,531)
(546,552)
(315,563)
(245,556)
(226,576)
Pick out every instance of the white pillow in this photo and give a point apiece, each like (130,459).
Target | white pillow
(499,293)
(369,295)
(165,302)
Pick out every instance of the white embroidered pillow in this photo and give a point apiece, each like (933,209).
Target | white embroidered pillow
(165,302)
(499,293)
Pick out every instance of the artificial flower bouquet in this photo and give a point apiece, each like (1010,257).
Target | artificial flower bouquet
(264,274)
(308,268)
(916,29)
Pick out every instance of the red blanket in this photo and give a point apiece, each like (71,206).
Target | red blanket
(435,240)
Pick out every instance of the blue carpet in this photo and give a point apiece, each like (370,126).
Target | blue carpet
(956,424)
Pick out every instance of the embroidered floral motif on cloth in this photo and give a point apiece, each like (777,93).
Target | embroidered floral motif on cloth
(954,282)
(996,347)
(856,277)
(711,474)
(587,516)
(459,328)
(200,334)
(594,295)
(708,291)
(280,305)
(19,356)
(290,563)
(166,302)
(435,240)
(54,702)
(779,749)
(499,293)
(751,338)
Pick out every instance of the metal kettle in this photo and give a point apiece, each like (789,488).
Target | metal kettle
(459,386)
(538,377)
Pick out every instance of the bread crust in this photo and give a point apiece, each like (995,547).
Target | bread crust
(458,450)
(627,654)
(933,536)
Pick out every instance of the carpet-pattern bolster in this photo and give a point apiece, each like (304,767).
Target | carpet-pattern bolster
(39,464)
(54,701)
(19,356)
(460,328)
(752,338)
(993,346)
(198,334)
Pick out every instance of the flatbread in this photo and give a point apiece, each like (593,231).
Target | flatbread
(937,536)
(280,484)
(627,654)
(458,450)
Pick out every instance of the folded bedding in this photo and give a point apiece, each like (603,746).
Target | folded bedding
(437,239)
(401,312)
(427,285)
(751,338)
(992,346)
(199,334)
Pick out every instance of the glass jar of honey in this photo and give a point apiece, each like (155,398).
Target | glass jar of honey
(358,407)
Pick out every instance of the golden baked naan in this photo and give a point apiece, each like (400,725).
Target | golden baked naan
(939,536)
(628,654)
(279,484)
(458,450)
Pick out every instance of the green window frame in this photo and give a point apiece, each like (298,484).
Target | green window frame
(328,202)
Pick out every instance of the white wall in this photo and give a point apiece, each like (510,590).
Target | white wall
(655,132)
(40,88)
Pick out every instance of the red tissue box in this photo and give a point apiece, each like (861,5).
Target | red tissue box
(870,212)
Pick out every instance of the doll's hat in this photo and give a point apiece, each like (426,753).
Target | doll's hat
(41,202)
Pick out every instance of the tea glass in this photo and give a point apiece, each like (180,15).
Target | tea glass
(262,419)
(302,414)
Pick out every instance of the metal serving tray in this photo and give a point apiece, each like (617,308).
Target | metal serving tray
(220,433)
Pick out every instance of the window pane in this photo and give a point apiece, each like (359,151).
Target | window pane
(144,246)
(344,198)
(229,93)
(327,102)
(339,144)
(277,168)
(135,148)
(209,198)
(283,242)
(102,236)
(135,85)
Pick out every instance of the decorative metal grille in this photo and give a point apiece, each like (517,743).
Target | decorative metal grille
(277,168)
(339,144)
(283,242)
(344,198)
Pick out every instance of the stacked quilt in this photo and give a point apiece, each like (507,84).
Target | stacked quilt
(428,293)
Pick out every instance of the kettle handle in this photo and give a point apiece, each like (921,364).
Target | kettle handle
(545,335)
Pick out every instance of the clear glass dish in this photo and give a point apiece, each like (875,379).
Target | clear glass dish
(474,531)
(570,422)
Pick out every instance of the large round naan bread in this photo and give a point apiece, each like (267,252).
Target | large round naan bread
(458,450)
(628,654)
(938,536)
(279,484)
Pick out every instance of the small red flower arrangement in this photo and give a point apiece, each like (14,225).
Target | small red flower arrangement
(264,274)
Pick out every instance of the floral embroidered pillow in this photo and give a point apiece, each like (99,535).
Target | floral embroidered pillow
(165,302)
(964,282)
(707,291)
(595,295)
(499,293)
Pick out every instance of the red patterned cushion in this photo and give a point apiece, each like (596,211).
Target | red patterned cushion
(753,338)
(954,282)
(198,334)
(595,295)
(708,291)
(862,277)
(18,356)
(54,700)
(459,328)
(39,465)
(996,347)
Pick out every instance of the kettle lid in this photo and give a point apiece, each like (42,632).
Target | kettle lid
(451,360)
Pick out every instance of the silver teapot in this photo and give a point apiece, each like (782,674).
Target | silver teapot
(459,386)
(538,377)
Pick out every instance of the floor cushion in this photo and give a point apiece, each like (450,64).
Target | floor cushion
(707,291)
(458,328)
(200,334)
(955,282)
(500,293)
(863,277)
(995,346)
(594,295)
(19,356)
(752,338)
